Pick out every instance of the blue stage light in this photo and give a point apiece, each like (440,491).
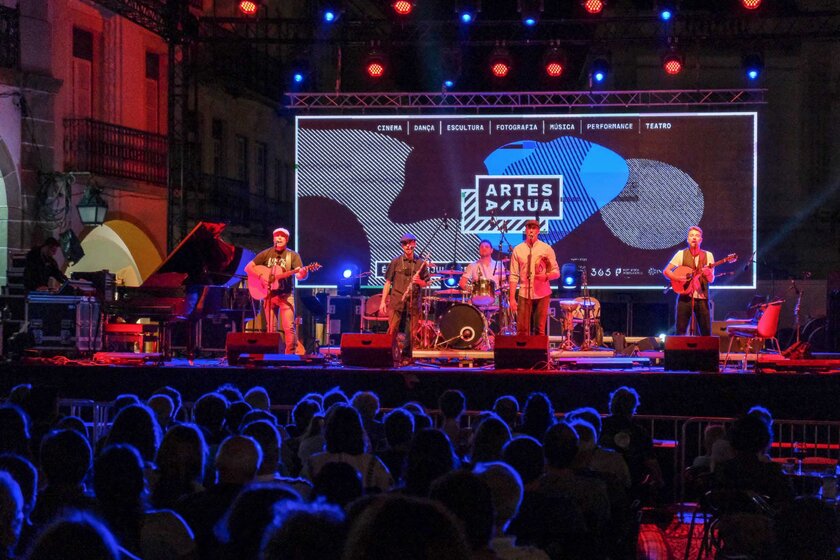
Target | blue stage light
(347,273)
(529,22)
(448,83)
(450,282)
(665,15)
(466,17)
(329,16)
(570,274)
(298,77)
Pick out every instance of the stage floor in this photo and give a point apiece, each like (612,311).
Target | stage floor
(803,389)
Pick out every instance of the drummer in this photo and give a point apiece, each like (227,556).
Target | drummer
(473,281)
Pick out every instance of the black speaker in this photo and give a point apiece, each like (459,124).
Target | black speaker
(692,353)
(238,343)
(369,350)
(521,351)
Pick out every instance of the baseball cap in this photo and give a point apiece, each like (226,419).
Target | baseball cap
(406,237)
(281,230)
(534,223)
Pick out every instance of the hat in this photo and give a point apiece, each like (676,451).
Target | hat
(407,237)
(282,230)
(534,223)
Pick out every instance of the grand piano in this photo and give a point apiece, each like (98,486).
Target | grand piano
(194,281)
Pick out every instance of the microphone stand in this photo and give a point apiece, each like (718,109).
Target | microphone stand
(507,323)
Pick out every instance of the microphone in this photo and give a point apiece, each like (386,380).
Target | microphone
(445,220)
(666,290)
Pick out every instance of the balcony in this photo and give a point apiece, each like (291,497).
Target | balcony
(111,150)
(9,37)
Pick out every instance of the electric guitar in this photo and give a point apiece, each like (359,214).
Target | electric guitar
(259,288)
(692,277)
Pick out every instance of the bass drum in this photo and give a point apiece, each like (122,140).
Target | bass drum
(596,332)
(462,326)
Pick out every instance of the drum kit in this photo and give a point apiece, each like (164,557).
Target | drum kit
(583,312)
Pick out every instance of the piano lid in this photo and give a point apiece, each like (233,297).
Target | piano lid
(201,258)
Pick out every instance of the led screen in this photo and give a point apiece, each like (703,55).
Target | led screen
(614,193)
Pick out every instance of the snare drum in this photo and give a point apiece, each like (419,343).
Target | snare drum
(462,326)
(483,292)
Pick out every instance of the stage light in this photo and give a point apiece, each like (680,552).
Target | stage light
(375,65)
(448,84)
(249,7)
(402,7)
(569,276)
(349,283)
(554,62)
(753,66)
(599,70)
(450,282)
(329,16)
(500,62)
(297,77)
(347,273)
(751,4)
(594,6)
(467,10)
(450,65)
(666,9)
(330,10)
(672,63)
(530,11)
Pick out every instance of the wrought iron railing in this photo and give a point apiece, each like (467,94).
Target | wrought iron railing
(117,151)
(9,37)
(222,199)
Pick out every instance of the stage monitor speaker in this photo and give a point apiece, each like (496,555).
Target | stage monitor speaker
(238,343)
(521,351)
(692,353)
(369,350)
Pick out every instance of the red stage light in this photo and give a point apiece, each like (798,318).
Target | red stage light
(248,7)
(554,69)
(500,69)
(594,6)
(402,7)
(375,69)
(672,65)
(751,4)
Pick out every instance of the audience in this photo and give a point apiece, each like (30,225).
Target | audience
(367,404)
(537,416)
(300,531)
(468,497)
(25,475)
(452,404)
(399,429)
(77,536)
(181,461)
(430,456)
(65,460)
(490,436)
(11,515)
(14,431)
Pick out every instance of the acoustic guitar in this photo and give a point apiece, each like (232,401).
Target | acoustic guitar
(259,288)
(692,277)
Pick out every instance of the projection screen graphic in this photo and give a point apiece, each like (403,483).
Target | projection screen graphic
(614,193)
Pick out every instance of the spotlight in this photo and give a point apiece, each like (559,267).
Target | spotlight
(500,62)
(297,77)
(530,11)
(450,282)
(249,7)
(450,66)
(569,276)
(599,70)
(467,10)
(666,9)
(593,6)
(349,283)
(751,4)
(672,63)
(375,65)
(753,66)
(554,62)
(402,7)
(347,273)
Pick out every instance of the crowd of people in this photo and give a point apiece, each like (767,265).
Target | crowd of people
(228,479)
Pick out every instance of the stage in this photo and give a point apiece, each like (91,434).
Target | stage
(801,389)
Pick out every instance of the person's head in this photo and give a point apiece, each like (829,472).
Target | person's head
(750,434)
(281,238)
(303,412)
(337,483)
(50,247)
(19,394)
(711,434)
(430,456)
(258,397)
(234,415)
(343,431)
(587,414)
(230,391)
(66,458)
(173,394)
(532,231)
(14,430)
(367,403)
(694,237)
(586,434)
(525,454)
(506,490)
(452,404)
(209,411)
(78,535)
(136,425)
(335,396)
(242,527)
(485,248)
(26,475)
(468,497)
(507,408)
(72,423)
(389,528)
(11,512)
(182,454)
(118,480)
(399,427)
(561,445)
(763,414)
(238,460)
(305,531)
(267,436)
(537,416)
(163,408)
(408,243)
(492,434)
(124,400)
(623,402)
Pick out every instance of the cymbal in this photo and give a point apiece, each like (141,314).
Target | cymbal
(449,271)
(432,298)
(450,292)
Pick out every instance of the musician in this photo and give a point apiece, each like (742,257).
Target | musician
(484,267)
(405,274)
(41,272)
(280,264)
(697,302)
(533,265)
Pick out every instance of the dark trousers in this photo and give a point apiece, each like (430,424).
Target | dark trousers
(404,321)
(700,310)
(531,315)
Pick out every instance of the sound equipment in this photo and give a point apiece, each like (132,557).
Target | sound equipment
(64,322)
(521,351)
(369,350)
(238,343)
(692,353)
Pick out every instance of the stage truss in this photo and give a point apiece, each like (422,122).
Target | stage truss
(527,100)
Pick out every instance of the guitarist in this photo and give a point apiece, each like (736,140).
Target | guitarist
(403,274)
(696,302)
(281,263)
